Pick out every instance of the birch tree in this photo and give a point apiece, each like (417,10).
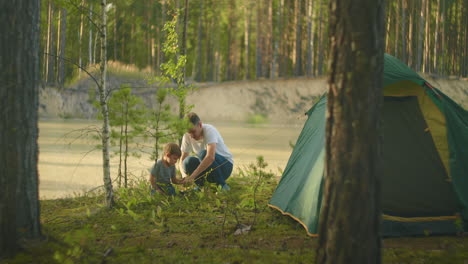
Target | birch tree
(103,98)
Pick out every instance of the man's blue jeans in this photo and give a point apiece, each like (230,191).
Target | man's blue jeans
(221,168)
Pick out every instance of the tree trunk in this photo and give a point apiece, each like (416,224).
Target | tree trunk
(298,38)
(436,36)
(126,144)
(19,61)
(119,171)
(103,97)
(51,62)
(350,215)
(310,39)
(90,37)
(276,41)
(258,48)
(387,34)
(163,35)
(427,37)
(404,39)
(198,65)
(184,38)
(411,27)
(61,48)
(397,33)
(320,40)
(114,37)
(80,41)
(47,57)
(271,41)
(420,37)
(247,22)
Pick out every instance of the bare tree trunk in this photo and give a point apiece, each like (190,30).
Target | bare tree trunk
(397,33)
(426,37)
(387,32)
(247,21)
(47,58)
(350,217)
(420,37)
(198,65)
(19,61)
(271,41)
(51,61)
(310,38)
(90,37)
(96,35)
(61,48)
(258,48)
(320,40)
(404,39)
(103,97)
(436,36)
(465,7)
(115,32)
(442,44)
(276,40)
(298,38)
(119,171)
(162,35)
(126,144)
(184,41)
(80,41)
(411,27)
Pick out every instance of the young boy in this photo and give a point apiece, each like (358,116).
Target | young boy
(164,171)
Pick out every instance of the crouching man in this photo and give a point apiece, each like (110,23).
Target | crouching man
(213,160)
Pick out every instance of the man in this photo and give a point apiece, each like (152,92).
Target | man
(213,157)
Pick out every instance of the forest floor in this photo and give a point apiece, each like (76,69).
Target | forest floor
(206,226)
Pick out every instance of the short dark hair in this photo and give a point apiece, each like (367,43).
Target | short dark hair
(172,149)
(193,118)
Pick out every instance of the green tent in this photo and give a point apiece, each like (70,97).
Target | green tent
(425,180)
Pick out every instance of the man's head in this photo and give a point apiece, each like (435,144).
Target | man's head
(195,130)
(171,153)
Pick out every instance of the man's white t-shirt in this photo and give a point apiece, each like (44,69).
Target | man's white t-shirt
(210,135)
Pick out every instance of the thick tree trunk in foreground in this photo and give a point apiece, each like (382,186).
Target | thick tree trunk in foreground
(19,61)
(350,215)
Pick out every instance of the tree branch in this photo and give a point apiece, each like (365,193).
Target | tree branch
(76,64)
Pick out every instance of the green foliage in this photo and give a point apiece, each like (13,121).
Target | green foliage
(162,125)
(257,119)
(78,242)
(173,69)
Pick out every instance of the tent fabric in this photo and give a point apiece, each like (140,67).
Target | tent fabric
(301,197)
(425,181)
(396,71)
(413,170)
(432,114)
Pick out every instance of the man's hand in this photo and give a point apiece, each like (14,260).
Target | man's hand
(188,180)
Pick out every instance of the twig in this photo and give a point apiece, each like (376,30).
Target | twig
(76,64)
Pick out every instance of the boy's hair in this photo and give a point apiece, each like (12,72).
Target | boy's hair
(193,118)
(172,149)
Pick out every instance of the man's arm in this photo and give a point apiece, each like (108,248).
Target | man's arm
(181,162)
(205,163)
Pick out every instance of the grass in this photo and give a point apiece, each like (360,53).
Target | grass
(127,71)
(198,227)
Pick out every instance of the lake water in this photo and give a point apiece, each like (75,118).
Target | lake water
(68,165)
